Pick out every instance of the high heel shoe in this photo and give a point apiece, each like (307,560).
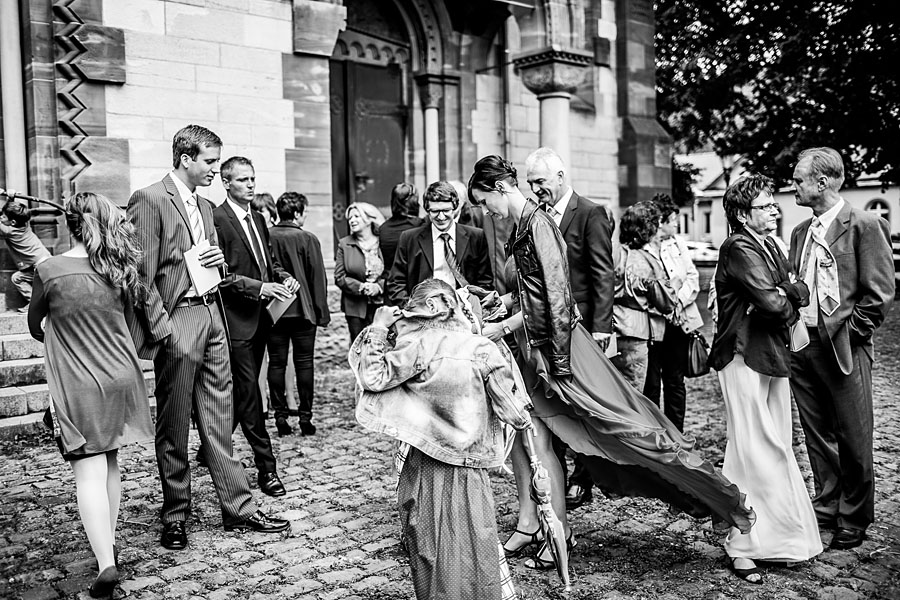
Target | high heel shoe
(533,538)
(105,583)
(540,564)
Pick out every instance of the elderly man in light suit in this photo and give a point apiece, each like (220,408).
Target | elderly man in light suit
(185,333)
(844,256)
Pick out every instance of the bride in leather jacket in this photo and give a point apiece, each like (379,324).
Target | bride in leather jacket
(631,448)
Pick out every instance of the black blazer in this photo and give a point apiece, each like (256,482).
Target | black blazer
(588,235)
(748,279)
(244,309)
(389,236)
(414,261)
(300,253)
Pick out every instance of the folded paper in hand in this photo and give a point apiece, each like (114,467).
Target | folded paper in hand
(203,278)
(799,336)
(277,307)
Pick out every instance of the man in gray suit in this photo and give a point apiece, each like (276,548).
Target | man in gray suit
(185,334)
(844,256)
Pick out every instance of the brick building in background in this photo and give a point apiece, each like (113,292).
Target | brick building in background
(339,100)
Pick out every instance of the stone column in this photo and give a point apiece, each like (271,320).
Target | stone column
(12,94)
(431,90)
(553,75)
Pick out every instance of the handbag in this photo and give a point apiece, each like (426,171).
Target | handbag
(698,355)
(799,336)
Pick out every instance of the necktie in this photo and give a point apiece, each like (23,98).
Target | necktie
(815,225)
(550,210)
(450,257)
(196,221)
(257,250)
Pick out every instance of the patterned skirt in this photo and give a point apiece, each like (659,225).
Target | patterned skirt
(450,532)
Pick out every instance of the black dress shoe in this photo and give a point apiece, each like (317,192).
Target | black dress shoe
(577,495)
(174,536)
(258,522)
(201,458)
(844,538)
(270,485)
(283,427)
(307,428)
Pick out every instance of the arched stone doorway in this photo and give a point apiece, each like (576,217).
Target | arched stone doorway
(371,101)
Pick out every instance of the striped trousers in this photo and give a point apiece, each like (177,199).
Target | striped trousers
(193,370)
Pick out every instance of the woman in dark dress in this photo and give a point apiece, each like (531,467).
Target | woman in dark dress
(98,400)
(300,254)
(630,447)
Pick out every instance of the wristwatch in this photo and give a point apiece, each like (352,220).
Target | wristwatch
(505,326)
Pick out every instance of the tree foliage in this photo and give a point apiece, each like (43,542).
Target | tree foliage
(768,78)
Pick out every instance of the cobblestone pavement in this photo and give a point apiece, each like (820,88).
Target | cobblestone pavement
(344,537)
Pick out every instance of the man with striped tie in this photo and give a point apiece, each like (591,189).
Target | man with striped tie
(442,249)
(184,332)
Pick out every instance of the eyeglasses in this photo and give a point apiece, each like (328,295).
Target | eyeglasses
(446,211)
(768,206)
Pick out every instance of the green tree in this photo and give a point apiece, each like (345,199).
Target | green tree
(767,78)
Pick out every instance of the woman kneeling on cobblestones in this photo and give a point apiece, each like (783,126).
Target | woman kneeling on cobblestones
(440,390)
(98,401)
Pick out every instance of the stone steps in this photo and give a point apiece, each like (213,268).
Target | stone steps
(18,400)
(13,323)
(16,346)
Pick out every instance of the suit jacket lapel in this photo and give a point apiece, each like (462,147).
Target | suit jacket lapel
(206,216)
(260,223)
(178,203)
(839,225)
(462,244)
(569,213)
(427,246)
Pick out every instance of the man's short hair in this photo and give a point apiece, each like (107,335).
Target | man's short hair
(17,213)
(290,203)
(740,195)
(441,191)
(825,161)
(229,166)
(548,157)
(404,200)
(188,140)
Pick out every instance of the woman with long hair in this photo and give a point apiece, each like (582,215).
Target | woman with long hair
(630,447)
(98,400)
(359,268)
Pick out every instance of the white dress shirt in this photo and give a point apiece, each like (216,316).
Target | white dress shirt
(560,206)
(242,213)
(187,195)
(810,313)
(441,269)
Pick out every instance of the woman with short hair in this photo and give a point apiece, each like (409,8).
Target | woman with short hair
(359,268)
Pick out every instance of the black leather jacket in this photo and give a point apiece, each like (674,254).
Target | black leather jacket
(548,307)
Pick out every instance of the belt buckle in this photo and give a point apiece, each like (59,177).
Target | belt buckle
(207,299)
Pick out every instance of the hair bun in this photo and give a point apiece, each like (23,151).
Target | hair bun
(509,167)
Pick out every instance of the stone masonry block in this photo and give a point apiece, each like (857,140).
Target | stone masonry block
(186,105)
(37,397)
(219,25)
(12,402)
(238,82)
(148,16)
(136,126)
(20,346)
(170,48)
(148,72)
(12,323)
(25,371)
(254,111)
(256,60)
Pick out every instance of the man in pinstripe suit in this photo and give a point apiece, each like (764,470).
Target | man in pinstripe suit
(185,334)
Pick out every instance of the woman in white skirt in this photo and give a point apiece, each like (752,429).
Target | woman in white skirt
(758,300)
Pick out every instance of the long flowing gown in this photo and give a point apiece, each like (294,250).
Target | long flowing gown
(630,447)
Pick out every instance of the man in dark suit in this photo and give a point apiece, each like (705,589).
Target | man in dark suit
(587,231)
(252,280)
(443,249)
(185,332)
(844,256)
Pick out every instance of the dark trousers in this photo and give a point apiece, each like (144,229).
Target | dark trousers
(302,334)
(667,365)
(836,415)
(192,371)
(357,324)
(246,361)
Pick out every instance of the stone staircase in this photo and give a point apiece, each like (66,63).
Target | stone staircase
(23,382)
